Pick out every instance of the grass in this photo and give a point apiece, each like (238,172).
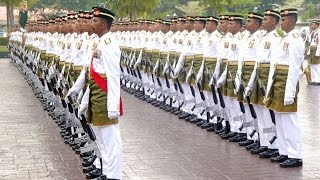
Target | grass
(3,49)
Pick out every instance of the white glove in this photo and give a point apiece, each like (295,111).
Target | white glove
(71,93)
(82,110)
(288,101)
(113,114)
(247,91)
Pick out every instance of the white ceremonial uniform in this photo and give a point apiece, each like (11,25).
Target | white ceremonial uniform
(108,137)
(315,68)
(250,54)
(233,55)
(268,50)
(210,50)
(290,53)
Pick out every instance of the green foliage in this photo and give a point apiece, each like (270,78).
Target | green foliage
(310,13)
(3,41)
(241,7)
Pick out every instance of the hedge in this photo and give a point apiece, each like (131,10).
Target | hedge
(3,41)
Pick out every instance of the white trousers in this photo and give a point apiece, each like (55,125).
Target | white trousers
(188,95)
(289,135)
(145,81)
(315,73)
(249,118)
(264,121)
(109,142)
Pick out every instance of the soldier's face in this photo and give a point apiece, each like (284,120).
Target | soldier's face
(98,24)
(286,23)
(233,27)
(173,27)
(251,25)
(313,26)
(267,22)
(224,25)
(189,25)
(198,26)
(180,26)
(210,26)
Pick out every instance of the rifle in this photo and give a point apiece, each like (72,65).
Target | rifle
(204,101)
(241,88)
(91,141)
(254,116)
(181,91)
(168,87)
(272,115)
(225,113)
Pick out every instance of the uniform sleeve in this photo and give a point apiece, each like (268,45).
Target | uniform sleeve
(111,58)
(318,46)
(80,82)
(296,51)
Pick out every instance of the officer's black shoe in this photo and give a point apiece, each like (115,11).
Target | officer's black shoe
(149,100)
(94,174)
(246,142)
(219,131)
(291,162)
(239,137)
(279,159)
(204,124)
(183,115)
(88,169)
(178,112)
(89,162)
(87,154)
(168,108)
(195,120)
(103,177)
(228,135)
(174,110)
(269,153)
(254,145)
(192,116)
(211,129)
(77,151)
(259,150)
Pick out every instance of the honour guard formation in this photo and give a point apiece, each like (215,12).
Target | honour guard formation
(240,85)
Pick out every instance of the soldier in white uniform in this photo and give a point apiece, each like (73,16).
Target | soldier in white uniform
(268,49)
(313,69)
(248,60)
(230,77)
(282,91)
(102,96)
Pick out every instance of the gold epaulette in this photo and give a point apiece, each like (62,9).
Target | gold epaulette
(107,41)
(296,35)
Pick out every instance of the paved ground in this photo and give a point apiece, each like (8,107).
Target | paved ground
(157,145)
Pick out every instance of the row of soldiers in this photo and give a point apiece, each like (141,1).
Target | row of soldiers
(240,85)
(73,67)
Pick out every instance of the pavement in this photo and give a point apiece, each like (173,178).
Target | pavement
(156,144)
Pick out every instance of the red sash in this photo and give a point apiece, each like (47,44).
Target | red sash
(102,83)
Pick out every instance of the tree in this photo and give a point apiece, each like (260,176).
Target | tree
(214,7)
(136,8)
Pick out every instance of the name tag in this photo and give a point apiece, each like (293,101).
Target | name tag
(267,45)
(285,46)
(233,47)
(226,45)
(251,43)
(97,54)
